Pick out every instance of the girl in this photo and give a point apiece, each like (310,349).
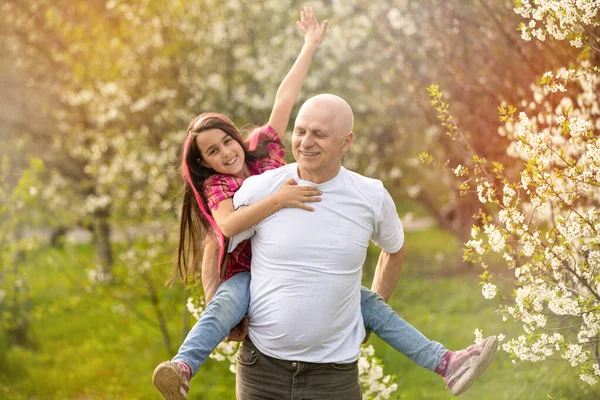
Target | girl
(215,163)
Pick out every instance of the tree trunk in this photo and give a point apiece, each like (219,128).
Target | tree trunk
(18,333)
(104,253)
(162,321)
(57,236)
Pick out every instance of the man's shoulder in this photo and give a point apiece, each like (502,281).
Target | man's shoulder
(370,191)
(258,187)
(269,176)
(267,182)
(364,181)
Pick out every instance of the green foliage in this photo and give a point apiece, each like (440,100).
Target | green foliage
(88,348)
(118,81)
(426,158)
(450,318)
(88,344)
(18,210)
(506,113)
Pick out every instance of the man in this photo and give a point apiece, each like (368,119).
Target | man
(306,267)
(305,322)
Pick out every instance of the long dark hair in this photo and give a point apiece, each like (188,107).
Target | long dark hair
(196,219)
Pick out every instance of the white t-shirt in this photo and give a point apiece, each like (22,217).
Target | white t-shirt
(307,266)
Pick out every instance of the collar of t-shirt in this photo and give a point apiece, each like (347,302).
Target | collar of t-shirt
(323,187)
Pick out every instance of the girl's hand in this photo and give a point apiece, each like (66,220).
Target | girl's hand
(309,26)
(239,332)
(290,195)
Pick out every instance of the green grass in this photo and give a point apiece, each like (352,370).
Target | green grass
(82,349)
(448,311)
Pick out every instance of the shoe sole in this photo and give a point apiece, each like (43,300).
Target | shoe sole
(167,379)
(485,358)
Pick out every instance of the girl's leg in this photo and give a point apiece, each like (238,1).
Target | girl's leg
(224,312)
(382,320)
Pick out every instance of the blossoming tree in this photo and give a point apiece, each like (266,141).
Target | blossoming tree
(127,75)
(121,79)
(544,221)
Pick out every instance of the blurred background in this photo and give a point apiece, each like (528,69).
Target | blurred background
(95,99)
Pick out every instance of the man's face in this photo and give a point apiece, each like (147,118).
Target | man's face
(318,143)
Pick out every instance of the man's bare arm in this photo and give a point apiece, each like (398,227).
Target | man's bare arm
(210,268)
(387,273)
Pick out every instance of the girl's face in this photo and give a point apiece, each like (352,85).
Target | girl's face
(222,153)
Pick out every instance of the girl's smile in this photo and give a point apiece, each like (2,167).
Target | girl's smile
(222,153)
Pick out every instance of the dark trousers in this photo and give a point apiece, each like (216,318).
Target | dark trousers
(260,377)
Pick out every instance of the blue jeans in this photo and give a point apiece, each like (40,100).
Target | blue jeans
(225,311)
(231,301)
(382,320)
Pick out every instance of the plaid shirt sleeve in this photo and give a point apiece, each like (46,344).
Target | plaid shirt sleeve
(275,148)
(219,187)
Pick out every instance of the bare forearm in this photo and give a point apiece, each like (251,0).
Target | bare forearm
(289,90)
(387,273)
(239,220)
(210,268)
(292,83)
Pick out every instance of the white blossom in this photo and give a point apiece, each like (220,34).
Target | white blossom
(478,336)
(489,290)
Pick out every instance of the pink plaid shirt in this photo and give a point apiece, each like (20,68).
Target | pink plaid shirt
(219,187)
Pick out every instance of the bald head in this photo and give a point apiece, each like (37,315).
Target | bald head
(334,107)
(322,134)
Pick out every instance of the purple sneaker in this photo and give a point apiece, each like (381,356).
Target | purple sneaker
(172,378)
(461,368)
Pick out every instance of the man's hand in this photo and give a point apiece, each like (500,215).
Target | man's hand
(239,332)
(366,339)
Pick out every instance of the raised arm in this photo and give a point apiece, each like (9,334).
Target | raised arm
(387,273)
(232,222)
(290,86)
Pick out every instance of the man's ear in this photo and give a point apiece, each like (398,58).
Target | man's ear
(348,139)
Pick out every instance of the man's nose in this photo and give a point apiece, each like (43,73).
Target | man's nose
(307,140)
